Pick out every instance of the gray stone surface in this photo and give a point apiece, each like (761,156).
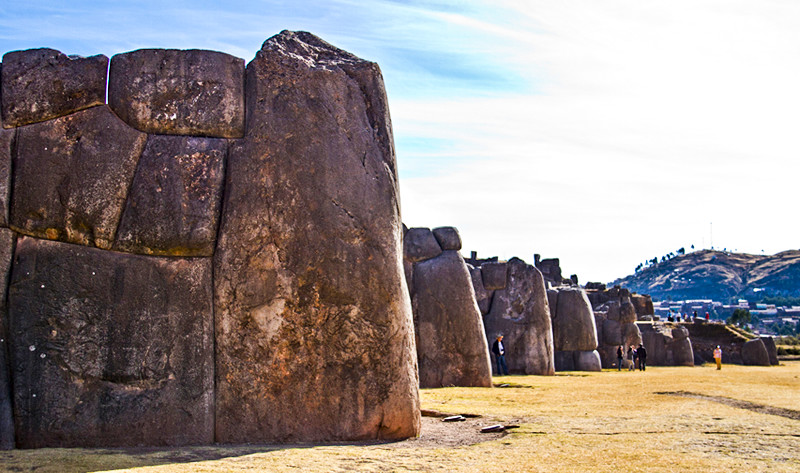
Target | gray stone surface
(419,244)
(110,349)
(451,345)
(588,360)
(448,238)
(494,275)
(573,321)
(6,146)
(314,329)
(612,332)
(754,352)
(664,348)
(564,361)
(772,350)
(72,175)
(7,240)
(631,335)
(174,203)
(521,313)
(627,313)
(482,295)
(40,84)
(179,92)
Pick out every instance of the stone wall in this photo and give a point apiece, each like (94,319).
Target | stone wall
(667,344)
(253,291)
(449,330)
(574,330)
(513,300)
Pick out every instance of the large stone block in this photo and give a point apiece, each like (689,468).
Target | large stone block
(521,313)
(772,349)
(754,352)
(587,360)
(627,313)
(110,349)
(482,295)
(419,244)
(573,322)
(631,335)
(175,92)
(7,240)
(564,361)
(494,275)
(451,346)
(682,354)
(72,175)
(314,330)
(448,238)
(612,332)
(40,84)
(174,203)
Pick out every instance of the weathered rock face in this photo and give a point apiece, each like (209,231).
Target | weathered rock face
(86,375)
(482,295)
(755,353)
(305,331)
(314,330)
(419,244)
(72,175)
(573,320)
(494,275)
(40,84)
(643,304)
(587,360)
(667,344)
(174,92)
(448,238)
(450,335)
(6,144)
(7,240)
(174,203)
(521,313)
(772,349)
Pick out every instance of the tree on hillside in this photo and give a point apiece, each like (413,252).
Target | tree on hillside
(740,317)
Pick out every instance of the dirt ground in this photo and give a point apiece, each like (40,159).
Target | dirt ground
(740,419)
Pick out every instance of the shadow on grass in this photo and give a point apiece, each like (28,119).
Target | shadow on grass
(739,404)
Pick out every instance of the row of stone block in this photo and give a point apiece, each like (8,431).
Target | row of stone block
(88,178)
(304,297)
(162,91)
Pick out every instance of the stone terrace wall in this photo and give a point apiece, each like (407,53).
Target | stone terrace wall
(198,260)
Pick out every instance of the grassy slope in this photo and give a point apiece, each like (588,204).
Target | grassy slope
(573,422)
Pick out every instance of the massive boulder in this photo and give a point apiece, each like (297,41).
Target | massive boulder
(72,175)
(755,353)
(573,322)
(643,304)
(40,84)
(314,334)
(450,335)
(420,244)
(520,312)
(667,344)
(174,92)
(110,349)
(772,349)
(495,275)
(174,203)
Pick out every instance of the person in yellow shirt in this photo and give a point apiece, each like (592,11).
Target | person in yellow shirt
(718,357)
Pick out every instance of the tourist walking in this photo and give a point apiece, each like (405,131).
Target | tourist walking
(619,358)
(718,357)
(499,351)
(642,357)
(631,357)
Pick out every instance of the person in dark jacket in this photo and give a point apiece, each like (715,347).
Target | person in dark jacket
(642,357)
(620,353)
(499,351)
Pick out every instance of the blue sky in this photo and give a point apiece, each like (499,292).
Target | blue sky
(601,132)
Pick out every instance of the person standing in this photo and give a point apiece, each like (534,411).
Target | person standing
(642,353)
(631,357)
(718,357)
(500,354)
(619,358)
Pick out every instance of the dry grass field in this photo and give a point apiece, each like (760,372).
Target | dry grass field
(740,419)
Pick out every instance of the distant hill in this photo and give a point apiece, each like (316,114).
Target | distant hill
(719,275)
